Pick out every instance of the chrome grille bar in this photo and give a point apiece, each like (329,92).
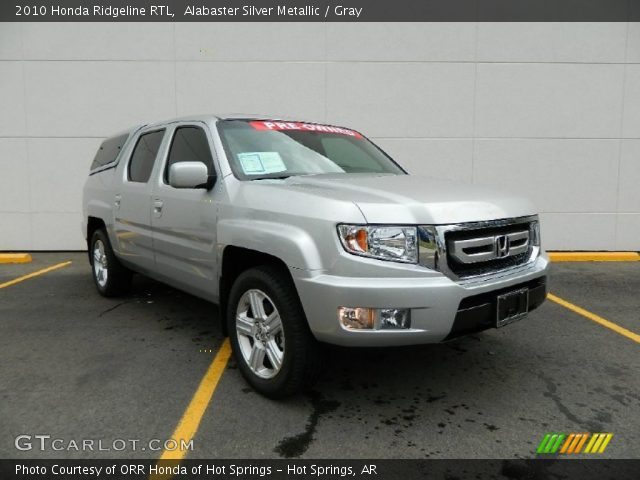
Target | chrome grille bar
(484,249)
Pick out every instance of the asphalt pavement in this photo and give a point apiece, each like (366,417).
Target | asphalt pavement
(75,367)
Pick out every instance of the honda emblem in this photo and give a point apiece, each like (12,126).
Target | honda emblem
(502,244)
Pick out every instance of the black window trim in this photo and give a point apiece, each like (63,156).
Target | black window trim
(139,135)
(107,166)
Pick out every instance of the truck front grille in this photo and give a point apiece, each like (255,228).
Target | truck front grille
(467,250)
(486,250)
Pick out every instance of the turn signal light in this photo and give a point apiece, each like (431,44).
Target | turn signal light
(357,240)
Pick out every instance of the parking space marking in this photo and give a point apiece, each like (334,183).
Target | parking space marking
(190,421)
(34,274)
(596,318)
(15,258)
(594,256)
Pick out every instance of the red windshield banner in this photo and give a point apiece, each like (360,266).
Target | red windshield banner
(305,127)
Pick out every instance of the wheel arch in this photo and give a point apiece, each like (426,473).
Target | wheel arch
(236,260)
(93,224)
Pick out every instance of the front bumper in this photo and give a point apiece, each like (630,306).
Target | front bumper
(441,308)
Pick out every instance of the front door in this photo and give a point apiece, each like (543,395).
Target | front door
(184,219)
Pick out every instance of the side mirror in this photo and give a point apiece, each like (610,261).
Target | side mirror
(190,175)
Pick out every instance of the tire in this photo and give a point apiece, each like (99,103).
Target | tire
(109,275)
(275,350)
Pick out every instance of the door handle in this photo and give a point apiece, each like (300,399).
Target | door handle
(117,200)
(157,207)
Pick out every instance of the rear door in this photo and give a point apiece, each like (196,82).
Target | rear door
(184,219)
(132,201)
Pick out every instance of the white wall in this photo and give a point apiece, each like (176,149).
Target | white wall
(551,110)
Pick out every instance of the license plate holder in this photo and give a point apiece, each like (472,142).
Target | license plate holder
(512,306)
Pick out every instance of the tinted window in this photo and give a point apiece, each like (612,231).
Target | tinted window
(109,151)
(144,155)
(189,145)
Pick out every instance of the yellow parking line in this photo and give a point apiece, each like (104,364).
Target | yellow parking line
(34,274)
(15,258)
(596,318)
(190,421)
(594,256)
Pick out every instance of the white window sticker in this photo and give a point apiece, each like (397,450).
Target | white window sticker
(261,163)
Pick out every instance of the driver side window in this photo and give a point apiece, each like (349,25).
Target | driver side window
(189,144)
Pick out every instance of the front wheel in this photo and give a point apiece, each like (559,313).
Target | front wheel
(270,338)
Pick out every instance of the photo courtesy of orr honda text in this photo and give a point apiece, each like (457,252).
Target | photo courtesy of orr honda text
(326,239)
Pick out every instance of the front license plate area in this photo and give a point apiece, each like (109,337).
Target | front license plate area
(512,307)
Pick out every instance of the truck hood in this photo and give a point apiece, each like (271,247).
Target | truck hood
(388,198)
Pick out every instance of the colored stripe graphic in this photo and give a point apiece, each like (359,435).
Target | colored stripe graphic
(551,442)
(596,446)
(606,441)
(594,437)
(573,443)
(576,439)
(599,442)
(577,443)
(567,443)
(581,443)
(543,443)
(557,443)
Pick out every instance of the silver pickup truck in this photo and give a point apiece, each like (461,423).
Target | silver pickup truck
(306,233)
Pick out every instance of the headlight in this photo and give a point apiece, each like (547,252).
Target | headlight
(395,243)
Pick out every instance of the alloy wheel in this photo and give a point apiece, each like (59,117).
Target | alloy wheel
(100,263)
(260,333)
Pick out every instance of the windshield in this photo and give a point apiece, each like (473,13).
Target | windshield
(260,149)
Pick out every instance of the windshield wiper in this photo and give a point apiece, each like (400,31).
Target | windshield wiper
(283,177)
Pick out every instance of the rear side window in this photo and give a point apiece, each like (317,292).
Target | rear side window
(189,145)
(144,156)
(109,151)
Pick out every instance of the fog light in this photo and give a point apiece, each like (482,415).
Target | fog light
(356,318)
(395,318)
